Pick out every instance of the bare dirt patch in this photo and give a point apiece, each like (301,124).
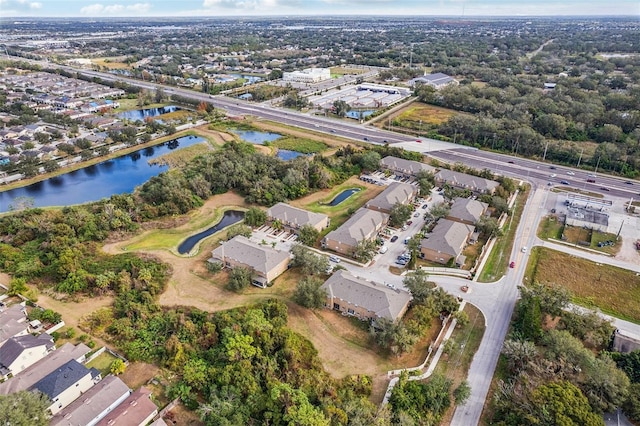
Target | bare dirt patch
(138,374)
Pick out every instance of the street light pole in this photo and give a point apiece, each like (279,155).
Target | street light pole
(597,164)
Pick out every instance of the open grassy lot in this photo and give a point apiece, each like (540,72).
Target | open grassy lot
(102,363)
(550,227)
(181,157)
(498,259)
(114,63)
(455,364)
(345,70)
(417,113)
(129,104)
(304,145)
(614,291)
(182,114)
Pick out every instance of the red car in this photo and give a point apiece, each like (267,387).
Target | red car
(512,265)
(409,223)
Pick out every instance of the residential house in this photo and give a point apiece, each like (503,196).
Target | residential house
(136,410)
(19,353)
(293,218)
(66,383)
(364,299)
(446,242)
(28,377)
(396,192)
(266,263)
(364,224)
(467,210)
(465,181)
(93,405)
(437,80)
(404,168)
(13,322)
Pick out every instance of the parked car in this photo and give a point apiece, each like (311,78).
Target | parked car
(424,207)
(524,249)
(335,259)
(570,173)
(512,265)
(552,167)
(552,175)
(383,249)
(416,214)
(394,238)
(629,182)
(510,162)
(409,222)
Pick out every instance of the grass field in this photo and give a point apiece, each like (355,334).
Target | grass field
(306,146)
(345,70)
(181,157)
(111,63)
(455,365)
(614,291)
(428,114)
(102,363)
(498,259)
(551,228)
(169,239)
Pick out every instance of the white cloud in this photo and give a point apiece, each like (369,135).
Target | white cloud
(99,9)
(20,4)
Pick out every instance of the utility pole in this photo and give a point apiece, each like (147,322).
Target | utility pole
(597,164)
(580,158)
(545,151)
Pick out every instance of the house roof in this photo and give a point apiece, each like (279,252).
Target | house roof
(447,237)
(13,321)
(406,166)
(26,378)
(396,192)
(383,301)
(92,403)
(14,347)
(61,379)
(466,209)
(295,216)
(242,250)
(363,224)
(466,181)
(133,411)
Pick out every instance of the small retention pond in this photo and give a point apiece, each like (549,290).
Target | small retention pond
(229,218)
(141,114)
(255,137)
(343,196)
(286,154)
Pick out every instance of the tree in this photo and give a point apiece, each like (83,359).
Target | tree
(50,166)
(519,353)
(239,229)
(488,226)
(309,294)
(365,250)
(562,403)
(255,217)
(309,262)
(418,285)
(370,160)
(399,214)
(239,278)
(117,367)
(308,235)
(24,408)
(462,393)
(439,210)
(341,108)
(461,317)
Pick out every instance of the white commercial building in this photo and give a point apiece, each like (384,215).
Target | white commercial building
(309,75)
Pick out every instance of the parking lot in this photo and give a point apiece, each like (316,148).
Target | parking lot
(283,240)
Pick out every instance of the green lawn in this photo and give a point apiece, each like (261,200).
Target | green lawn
(550,227)
(304,145)
(498,259)
(158,239)
(102,363)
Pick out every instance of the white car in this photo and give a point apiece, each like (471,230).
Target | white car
(552,175)
(524,249)
(570,173)
(335,259)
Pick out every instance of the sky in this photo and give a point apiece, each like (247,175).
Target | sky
(199,8)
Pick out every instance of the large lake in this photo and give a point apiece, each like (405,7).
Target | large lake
(93,183)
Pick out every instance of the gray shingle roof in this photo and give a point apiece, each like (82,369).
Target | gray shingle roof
(363,224)
(59,380)
(467,209)
(447,237)
(406,166)
(260,258)
(89,407)
(40,369)
(464,180)
(378,298)
(12,322)
(15,346)
(396,192)
(295,216)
